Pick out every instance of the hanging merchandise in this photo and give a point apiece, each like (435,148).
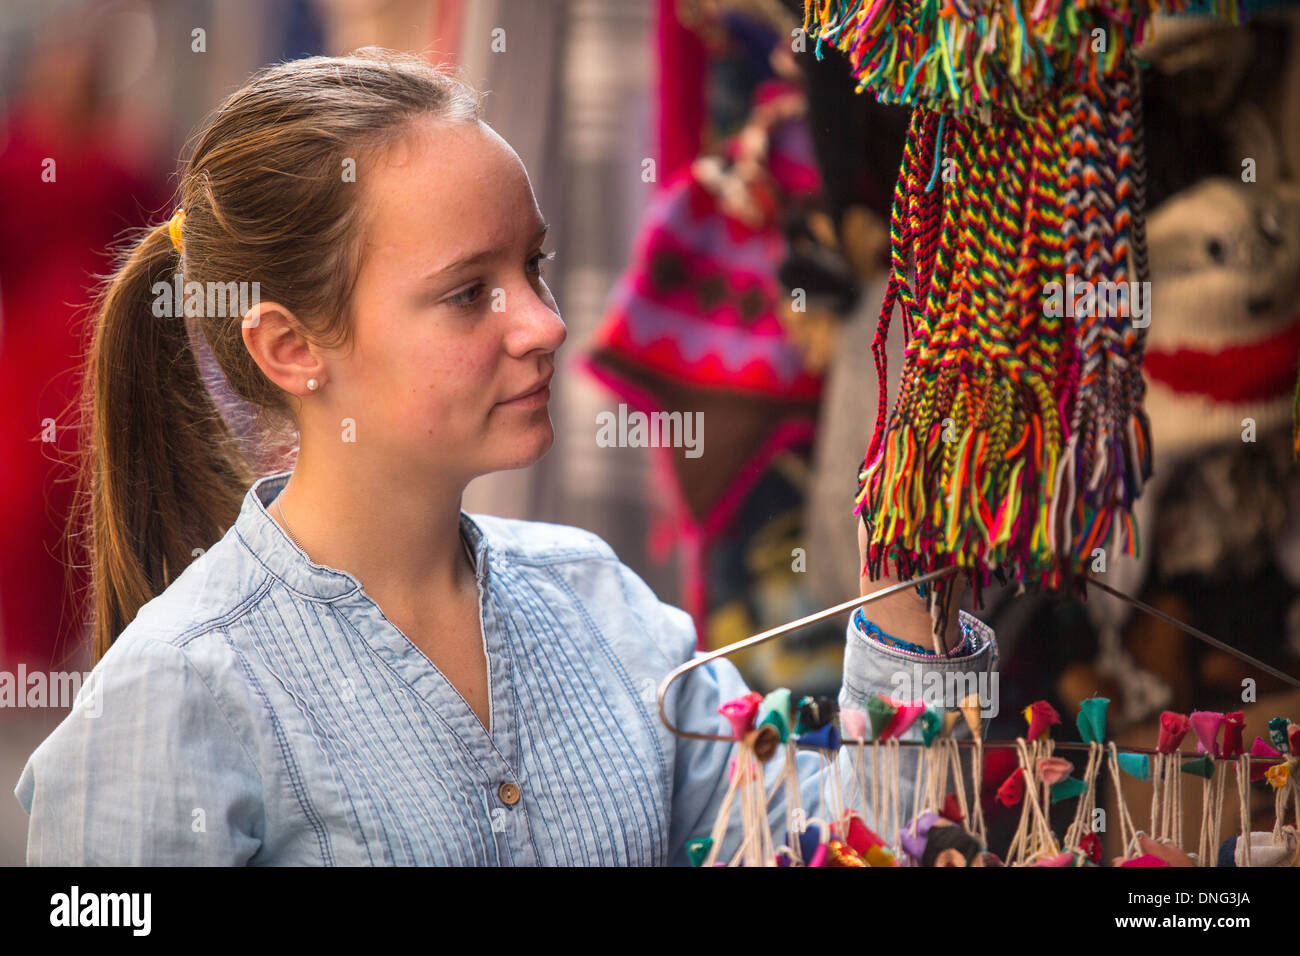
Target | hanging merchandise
(1018,444)
(855,804)
(855,824)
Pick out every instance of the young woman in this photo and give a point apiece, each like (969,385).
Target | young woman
(353,670)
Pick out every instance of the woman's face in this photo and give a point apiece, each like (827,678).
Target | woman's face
(453,318)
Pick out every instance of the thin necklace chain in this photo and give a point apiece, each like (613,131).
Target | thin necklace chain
(298,544)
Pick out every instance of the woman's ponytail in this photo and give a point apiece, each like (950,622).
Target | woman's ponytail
(164,476)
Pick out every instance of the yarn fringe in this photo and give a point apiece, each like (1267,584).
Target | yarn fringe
(1017,445)
(980,56)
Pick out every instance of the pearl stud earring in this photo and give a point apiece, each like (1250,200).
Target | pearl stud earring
(313,384)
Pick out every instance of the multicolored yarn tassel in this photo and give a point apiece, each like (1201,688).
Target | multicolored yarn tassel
(1017,444)
(967,56)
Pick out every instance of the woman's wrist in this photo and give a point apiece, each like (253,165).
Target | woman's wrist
(966,643)
(903,615)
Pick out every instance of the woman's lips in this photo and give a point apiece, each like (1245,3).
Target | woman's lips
(538,396)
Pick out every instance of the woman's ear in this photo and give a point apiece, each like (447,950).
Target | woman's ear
(274,338)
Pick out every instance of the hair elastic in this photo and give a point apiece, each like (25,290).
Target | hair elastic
(174,228)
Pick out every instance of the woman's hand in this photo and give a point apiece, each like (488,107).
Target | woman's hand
(904,615)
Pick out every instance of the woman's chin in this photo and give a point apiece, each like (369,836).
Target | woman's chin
(528,448)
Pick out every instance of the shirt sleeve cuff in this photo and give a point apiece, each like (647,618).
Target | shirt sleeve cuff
(874,667)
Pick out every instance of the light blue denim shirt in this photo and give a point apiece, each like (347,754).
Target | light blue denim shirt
(263,710)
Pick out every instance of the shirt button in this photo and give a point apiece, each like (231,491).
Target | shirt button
(509,793)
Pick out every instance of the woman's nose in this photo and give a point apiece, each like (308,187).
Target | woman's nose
(536,324)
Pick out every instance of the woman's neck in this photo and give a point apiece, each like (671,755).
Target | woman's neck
(397,533)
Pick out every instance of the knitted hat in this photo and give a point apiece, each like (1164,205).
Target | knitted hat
(1225,319)
(1224,338)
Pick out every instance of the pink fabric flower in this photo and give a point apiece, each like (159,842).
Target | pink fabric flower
(1054,769)
(905,718)
(1040,715)
(853,723)
(1012,790)
(1205,724)
(1173,728)
(1233,725)
(741,711)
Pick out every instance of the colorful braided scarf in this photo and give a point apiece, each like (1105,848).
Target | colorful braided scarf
(1018,444)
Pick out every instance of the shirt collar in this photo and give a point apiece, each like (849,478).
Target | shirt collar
(263,536)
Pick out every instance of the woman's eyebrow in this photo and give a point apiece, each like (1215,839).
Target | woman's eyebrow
(483,254)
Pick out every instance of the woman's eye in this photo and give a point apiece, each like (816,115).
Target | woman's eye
(466,298)
(535,263)
(471,296)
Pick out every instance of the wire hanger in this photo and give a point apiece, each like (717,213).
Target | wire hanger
(775,632)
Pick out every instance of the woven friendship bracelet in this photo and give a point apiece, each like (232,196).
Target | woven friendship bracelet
(1017,444)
